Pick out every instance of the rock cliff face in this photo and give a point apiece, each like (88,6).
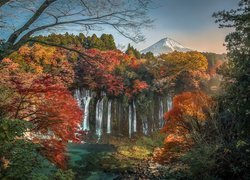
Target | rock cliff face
(108,115)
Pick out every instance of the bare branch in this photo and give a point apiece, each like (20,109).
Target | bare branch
(88,9)
(36,15)
(126,16)
(82,54)
(3,2)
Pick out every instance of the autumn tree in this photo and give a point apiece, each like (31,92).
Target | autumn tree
(181,71)
(187,117)
(112,71)
(133,52)
(127,17)
(39,59)
(46,104)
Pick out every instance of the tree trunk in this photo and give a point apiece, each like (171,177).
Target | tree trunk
(3,2)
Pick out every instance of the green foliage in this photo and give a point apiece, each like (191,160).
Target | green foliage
(149,56)
(108,42)
(14,151)
(212,58)
(234,103)
(105,42)
(202,161)
(134,152)
(22,159)
(222,149)
(6,95)
(10,129)
(63,175)
(133,52)
(235,100)
(150,142)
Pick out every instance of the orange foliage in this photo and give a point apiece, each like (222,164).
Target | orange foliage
(106,70)
(186,106)
(213,69)
(189,109)
(181,70)
(40,59)
(47,104)
(186,60)
(138,86)
(54,151)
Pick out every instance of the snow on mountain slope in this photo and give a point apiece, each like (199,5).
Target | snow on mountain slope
(164,46)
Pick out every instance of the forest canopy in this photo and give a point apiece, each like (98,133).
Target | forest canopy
(73,105)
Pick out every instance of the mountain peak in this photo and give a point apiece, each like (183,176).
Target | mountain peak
(164,46)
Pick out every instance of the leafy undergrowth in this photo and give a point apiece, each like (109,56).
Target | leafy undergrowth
(127,156)
(135,152)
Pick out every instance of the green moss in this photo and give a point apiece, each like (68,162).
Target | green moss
(136,152)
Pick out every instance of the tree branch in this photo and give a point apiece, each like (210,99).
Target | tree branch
(24,39)
(13,37)
(82,54)
(3,2)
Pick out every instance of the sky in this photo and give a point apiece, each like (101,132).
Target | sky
(189,22)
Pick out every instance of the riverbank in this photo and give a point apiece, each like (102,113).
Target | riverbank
(120,160)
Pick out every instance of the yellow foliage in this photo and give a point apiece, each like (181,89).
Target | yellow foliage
(136,152)
(186,60)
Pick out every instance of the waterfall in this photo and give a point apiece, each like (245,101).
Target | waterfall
(83,99)
(87,98)
(115,110)
(169,103)
(109,117)
(161,113)
(99,117)
(130,117)
(134,117)
(78,98)
(145,126)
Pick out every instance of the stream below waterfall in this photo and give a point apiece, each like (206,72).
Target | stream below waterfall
(84,161)
(105,162)
(107,118)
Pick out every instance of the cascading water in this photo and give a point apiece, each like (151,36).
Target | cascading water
(77,95)
(78,98)
(145,126)
(86,99)
(109,117)
(161,112)
(134,117)
(169,103)
(83,99)
(99,117)
(130,117)
(115,110)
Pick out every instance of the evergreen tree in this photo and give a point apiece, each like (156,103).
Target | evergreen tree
(133,52)
(108,41)
(97,42)
(236,73)
(82,38)
(105,42)
(149,56)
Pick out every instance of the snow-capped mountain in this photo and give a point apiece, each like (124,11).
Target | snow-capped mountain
(164,46)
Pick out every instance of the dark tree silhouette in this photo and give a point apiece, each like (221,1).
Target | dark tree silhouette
(127,17)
